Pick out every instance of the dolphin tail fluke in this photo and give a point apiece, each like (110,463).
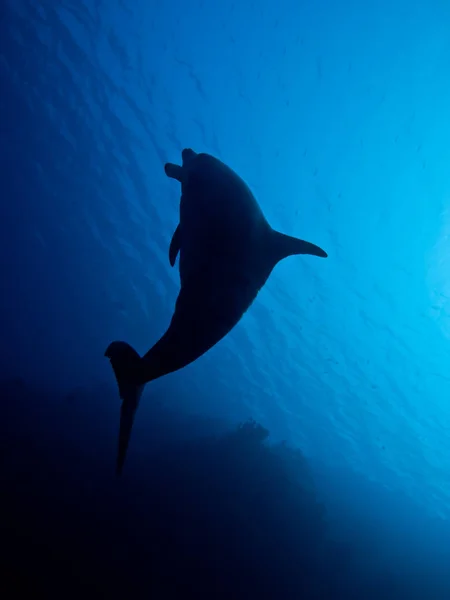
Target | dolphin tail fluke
(127,413)
(286,245)
(125,362)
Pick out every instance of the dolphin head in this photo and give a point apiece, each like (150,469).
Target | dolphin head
(188,155)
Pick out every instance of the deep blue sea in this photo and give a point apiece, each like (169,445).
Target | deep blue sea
(307,454)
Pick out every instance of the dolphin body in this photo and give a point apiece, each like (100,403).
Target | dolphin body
(227,251)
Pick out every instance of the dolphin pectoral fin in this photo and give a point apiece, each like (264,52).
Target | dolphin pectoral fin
(175,245)
(174,171)
(286,245)
(302,247)
(125,362)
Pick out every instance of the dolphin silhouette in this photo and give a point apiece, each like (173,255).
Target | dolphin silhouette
(227,251)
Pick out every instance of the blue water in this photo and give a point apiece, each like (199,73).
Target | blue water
(336,115)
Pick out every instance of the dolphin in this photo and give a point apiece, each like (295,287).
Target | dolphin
(227,250)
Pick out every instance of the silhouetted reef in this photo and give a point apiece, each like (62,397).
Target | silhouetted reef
(220,513)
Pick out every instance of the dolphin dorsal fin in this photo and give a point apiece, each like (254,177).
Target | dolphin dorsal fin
(175,245)
(283,245)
